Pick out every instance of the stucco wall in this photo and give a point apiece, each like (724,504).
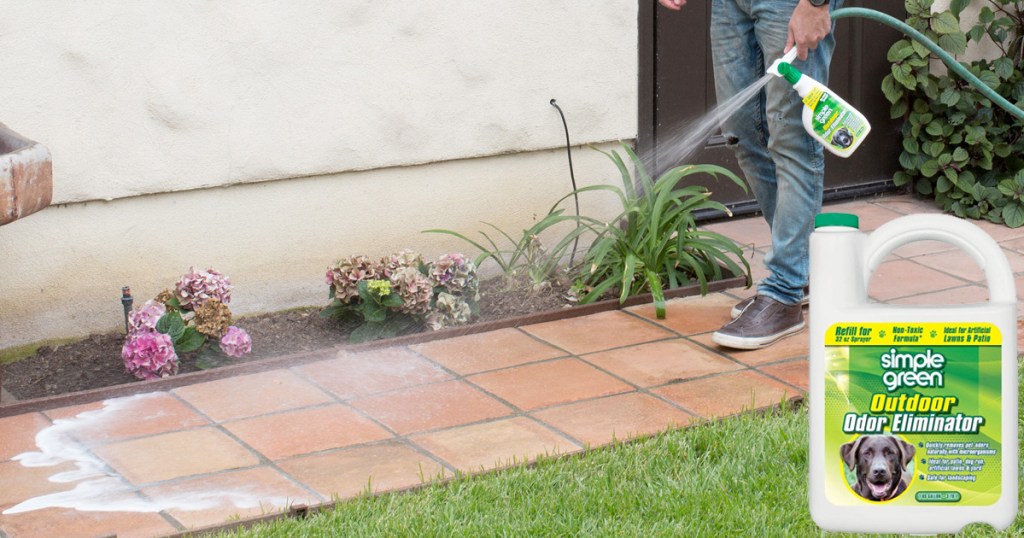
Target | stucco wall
(150,96)
(268,139)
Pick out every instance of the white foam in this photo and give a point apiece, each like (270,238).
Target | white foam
(99,489)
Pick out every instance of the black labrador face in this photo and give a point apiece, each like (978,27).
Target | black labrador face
(880,462)
(842,138)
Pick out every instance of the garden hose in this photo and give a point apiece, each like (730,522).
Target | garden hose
(934,48)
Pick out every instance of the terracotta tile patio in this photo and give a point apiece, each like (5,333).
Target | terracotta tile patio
(212,452)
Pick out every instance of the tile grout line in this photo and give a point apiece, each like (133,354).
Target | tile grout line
(260,457)
(517,411)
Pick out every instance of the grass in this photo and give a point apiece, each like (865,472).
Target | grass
(744,476)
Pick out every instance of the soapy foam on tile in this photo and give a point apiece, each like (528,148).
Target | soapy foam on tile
(98,488)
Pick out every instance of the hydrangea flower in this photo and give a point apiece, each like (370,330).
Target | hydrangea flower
(347,273)
(449,310)
(456,274)
(144,319)
(381,287)
(149,355)
(197,287)
(212,318)
(236,342)
(414,288)
(400,259)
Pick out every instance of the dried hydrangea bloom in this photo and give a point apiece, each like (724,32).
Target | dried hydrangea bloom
(449,311)
(456,274)
(347,273)
(149,355)
(164,296)
(414,288)
(197,287)
(212,318)
(236,342)
(400,259)
(145,318)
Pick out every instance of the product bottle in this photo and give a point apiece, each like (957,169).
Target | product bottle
(913,408)
(827,117)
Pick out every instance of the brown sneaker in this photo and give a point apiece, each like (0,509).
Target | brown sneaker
(761,324)
(742,305)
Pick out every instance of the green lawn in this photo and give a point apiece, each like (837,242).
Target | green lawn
(745,476)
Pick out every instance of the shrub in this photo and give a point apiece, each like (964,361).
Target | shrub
(400,292)
(180,322)
(958,146)
(654,241)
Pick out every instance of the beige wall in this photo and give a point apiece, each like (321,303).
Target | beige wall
(268,139)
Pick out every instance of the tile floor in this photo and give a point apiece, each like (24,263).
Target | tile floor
(204,454)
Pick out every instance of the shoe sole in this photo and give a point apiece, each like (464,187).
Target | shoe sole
(737,311)
(739,342)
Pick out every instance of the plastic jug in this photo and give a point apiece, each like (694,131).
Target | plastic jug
(913,409)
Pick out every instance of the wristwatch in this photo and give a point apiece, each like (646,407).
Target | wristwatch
(818,3)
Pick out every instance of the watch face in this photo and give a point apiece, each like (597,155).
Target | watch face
(818,3)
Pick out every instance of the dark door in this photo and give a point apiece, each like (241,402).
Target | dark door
(677,88)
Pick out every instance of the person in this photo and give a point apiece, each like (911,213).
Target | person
(783,165)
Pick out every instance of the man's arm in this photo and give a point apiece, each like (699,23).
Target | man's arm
(807,27)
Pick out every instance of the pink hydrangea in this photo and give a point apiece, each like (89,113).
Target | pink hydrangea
(196,287)
(236,342)
(149,355)
(144,319)
(456,273)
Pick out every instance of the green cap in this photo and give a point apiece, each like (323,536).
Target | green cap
(789,72)
(836,219)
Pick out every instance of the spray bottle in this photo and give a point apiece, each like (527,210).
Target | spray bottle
(827,117)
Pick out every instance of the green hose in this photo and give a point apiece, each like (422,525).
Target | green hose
(943,55)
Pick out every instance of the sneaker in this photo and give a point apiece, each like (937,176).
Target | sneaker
(742,305)
(761,324)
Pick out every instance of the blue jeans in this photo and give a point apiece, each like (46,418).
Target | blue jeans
(783,165)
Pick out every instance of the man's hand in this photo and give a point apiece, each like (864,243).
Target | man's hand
(807,27)
(673,4)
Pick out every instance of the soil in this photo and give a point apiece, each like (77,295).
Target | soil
(95,361)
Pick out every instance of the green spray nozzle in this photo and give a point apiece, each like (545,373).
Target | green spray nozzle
(789,72)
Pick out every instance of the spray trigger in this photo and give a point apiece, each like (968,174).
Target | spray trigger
(788,58)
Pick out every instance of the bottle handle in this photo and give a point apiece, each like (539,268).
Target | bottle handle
(957,232)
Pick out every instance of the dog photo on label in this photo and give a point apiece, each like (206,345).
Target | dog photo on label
(880,465)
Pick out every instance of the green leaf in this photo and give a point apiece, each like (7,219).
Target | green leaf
(392,300)
(900,50)
(950,96)
(189,341)
(901,178)
(903,74)
(929,169)
(1013,214)
(923,186)
(1003,67)
(945,23)
(171,324)
(899,109)
(953,43)
(957,6)
(890,89)
(911,145)
(960,155)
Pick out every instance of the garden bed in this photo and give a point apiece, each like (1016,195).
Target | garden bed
(92,369)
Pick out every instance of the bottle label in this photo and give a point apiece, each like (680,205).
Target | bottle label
(913,413)
(833,122)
